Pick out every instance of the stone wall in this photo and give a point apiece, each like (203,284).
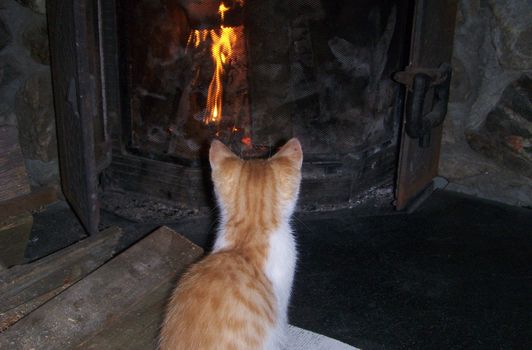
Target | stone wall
(487,144)
(25,86)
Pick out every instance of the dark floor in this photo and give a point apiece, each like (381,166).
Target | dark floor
(456,274)
(53,229)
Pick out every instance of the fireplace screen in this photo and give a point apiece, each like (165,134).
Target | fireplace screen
(159,79)
(255,73)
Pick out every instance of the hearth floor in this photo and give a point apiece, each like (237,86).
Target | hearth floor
(456,274)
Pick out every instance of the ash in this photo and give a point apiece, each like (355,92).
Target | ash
(376,198)
(145,209)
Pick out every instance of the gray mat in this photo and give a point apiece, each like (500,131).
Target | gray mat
(301,339)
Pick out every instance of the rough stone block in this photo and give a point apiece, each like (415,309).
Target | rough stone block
(35,39)
(36,119)
(5,36)
(512,33)
(13,176)
(38,6)
(506,135)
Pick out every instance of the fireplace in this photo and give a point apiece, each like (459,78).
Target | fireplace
(165,77)
(256,73)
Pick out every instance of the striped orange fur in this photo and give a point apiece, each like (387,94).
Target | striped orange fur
(236,298)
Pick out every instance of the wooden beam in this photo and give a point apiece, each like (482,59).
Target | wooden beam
(26,287)
(123,289)
(28,202)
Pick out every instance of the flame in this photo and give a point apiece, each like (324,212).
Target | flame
(222,10)
(197,37)
(221,51)
(223,40)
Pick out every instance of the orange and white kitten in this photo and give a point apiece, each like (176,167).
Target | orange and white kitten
(237,297)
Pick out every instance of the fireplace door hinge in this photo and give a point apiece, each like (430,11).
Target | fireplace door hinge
(427,107)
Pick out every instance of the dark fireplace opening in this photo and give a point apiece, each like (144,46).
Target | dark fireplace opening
(254,74)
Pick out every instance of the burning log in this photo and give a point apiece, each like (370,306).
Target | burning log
(227,106)
(189,82)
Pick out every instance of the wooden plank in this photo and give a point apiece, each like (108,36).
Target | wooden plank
(12,316)
(13,175)
(28,202)
(78,104)
(107,296)
(14,235)
(26,287)
(180,183)
(138,328)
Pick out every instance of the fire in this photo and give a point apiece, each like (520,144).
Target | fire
(222,10)
(197,37)
(222,43)
(221,52)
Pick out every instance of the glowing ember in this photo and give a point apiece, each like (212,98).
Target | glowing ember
(246,141)
(223,41)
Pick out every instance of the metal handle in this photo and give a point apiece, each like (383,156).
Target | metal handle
(417,124)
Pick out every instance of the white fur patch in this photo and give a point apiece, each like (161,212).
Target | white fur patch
(279,269)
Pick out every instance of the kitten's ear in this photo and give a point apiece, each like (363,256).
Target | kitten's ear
(218,153)
(291,150)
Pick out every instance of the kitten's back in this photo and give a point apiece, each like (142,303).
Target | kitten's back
(223,302)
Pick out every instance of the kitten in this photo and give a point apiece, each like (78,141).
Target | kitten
(237,297)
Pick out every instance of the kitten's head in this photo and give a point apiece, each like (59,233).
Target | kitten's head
(246,187)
